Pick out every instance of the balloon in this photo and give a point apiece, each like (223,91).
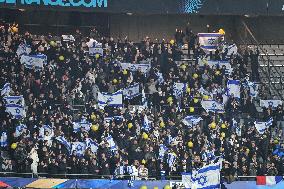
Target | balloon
(114,81)
(247,150)
(213,125)
(156,187)
(97,56)
(223,135)
(93,116)
(195,75)
(190,144)
(217,72)
(162,124)
(183,66)
(14,146)
(172,42)
(170,99)
(61,58)
(223,126)
(222,31)
(14,29)
(145,136)
(143,187)
(124,72)
(143,161)
(221,149)
(130,125)
(188,89)
(95,127)
(195,100)
(275,141)
(191,109)
(167,187)
(52,43)
(205,97)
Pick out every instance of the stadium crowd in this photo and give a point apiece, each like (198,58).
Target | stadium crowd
(167,146)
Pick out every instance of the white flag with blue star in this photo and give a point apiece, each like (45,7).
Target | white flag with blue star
(108,99)
(111,143)
(204,178)
(209,41)
(34,61)
(162,150)
(179,89)
(272,103)
(23,49)
(131,91)
(3,139)
(234,88)
(79,148)
(212,106)
(81,124)
(20,129)
(262,126)
(5,91)
(92,145)
(146,123)
(64,142)
(17,111)
(17,100)
(191,121)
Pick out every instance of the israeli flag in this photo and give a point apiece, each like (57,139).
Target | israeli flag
(191,120)
(3,139)
(179,89)
(144,68)
(160,77)
(111,143)
(114,99)
(15,100)
(253,88)
(204,178)
(92,145)
(209,41)
(43,130)
(186,180)
(146,123)
(215,63)
(37,61)
(171,159)
(230,50)
(212,106)
(79,148)
(131,91)
(144,99)
(68,38)
(162,150)
(82,124)
(64,142)
(262,126)
(17,111)
(109,119)
(23,49)
(20,129)
(96,48)
(5,91)
(234,87)
(272,103)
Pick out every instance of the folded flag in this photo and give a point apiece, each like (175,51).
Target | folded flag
(5,91)
(114,99)
(191,120)
(212,106)
(262,126)
(64,142)
(131,91)
(268,180)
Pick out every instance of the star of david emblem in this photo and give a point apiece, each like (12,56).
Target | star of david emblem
(202,180)
(17,110)
(211,41)
(214,105)
(110,99)
(79,148)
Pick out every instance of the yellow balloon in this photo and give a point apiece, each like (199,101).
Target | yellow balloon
(213,125)
(247,150)
(188,89)
(15,29)
(97,56)
(143,161)
(124,72)
(95,127)
(93,116)
(114,81)
(190,144)
(195,75)
(222,149)
(223,126)
(162,124)
(167,187)
(222,31)
(205,97)
(275,141)
(156,187)
(217,72)
(130,125)
(52,43)
(172,42)
(183,66)
(191,109)
(195,100)
(170,99)
(145,136)
(223,134)
(61,58)
(14,146)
